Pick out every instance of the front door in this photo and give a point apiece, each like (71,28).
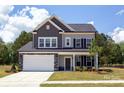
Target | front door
(67,64)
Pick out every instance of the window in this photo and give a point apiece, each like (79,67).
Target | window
(41,42)
(78,43)
(89,61)
(53,42)
(47,27)
(88,43)
(47,42)
(67,42)
(78,60)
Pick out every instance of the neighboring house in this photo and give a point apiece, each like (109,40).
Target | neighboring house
(58,46)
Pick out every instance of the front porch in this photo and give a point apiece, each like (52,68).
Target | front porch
(71,61)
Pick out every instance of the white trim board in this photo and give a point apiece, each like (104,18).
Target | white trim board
(62,53)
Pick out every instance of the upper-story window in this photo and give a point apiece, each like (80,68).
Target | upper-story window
(47,27)
(88,43)
(78,43)
(47,42)
(67,42)
(41,42)
(54,44)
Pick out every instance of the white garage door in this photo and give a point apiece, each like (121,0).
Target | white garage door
(38,62)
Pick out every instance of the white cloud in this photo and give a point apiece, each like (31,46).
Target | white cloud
(6,9)
(91,22)
(118,34)
(25,19)
(120,12)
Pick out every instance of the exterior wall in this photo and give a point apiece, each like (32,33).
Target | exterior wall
(59,60)
(75,36)
(43,32)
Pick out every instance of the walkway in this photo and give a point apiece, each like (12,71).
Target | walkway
(81,82)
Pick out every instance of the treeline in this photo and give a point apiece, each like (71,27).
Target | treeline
(8,52)
(109,51)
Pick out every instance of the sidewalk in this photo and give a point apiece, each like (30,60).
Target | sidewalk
(85,81)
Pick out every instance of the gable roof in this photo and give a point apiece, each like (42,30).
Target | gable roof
(69,27)
(50,20)
(72,27)
(82,27)
(45,21)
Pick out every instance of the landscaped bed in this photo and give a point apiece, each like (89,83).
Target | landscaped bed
(85,85)
(113,74)
(4,70)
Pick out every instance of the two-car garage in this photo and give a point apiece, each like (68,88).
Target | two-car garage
(38,62)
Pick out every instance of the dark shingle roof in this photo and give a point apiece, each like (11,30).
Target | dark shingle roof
(82,27)
(28,48)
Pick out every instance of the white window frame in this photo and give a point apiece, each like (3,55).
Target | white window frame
(67,38)
(45,42)
(76,43)
(87,42)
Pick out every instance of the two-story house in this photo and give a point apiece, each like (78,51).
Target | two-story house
(58,46)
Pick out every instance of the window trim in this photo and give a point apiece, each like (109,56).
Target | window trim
(77,58)
(87,42)
(76,43)
(45,42)
(66,41)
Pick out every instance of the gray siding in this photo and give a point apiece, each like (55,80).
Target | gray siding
(42,32)
(75,36)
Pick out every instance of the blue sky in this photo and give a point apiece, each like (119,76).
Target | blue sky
(106,19)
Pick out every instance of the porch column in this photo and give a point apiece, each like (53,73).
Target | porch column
(73,62)
(96,61)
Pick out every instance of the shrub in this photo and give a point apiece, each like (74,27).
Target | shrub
(77,68)
(13,68)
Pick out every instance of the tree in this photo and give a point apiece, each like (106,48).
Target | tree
(95,50)
(23,38)
(109,52)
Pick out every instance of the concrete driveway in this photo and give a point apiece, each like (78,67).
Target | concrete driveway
(25,79)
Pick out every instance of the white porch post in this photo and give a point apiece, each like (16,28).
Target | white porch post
(96,61)
(73,62)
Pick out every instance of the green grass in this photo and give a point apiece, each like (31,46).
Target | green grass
(116,74)
(84,85)
(4,69)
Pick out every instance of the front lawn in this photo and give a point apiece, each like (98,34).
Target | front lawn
(85,85)
(4,69)
(116,74)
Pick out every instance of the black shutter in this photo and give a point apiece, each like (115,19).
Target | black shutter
(74,42)
(82,43)
(85,43)
(84,60)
